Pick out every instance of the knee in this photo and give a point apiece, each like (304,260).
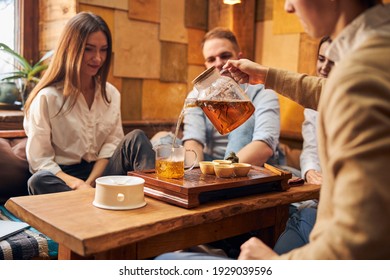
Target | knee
(36,180)
(136,135)
(308,215)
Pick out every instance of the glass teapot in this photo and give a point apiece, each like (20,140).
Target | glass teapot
(222,100)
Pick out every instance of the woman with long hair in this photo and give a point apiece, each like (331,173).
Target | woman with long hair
(72,117)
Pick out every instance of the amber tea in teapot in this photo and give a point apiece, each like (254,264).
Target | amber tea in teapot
(222,100)
(226,115)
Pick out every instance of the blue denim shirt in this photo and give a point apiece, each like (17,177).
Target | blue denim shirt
(263,125)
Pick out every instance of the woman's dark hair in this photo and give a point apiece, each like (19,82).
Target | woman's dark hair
(323,40)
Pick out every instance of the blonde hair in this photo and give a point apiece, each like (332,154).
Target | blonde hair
(66,63)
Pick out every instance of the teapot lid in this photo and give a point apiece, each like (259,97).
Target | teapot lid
(205,74)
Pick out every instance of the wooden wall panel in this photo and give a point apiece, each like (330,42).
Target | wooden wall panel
(172,27)
(146,10)
(284,22)
(53,16)
(106,14)
(116,4)
(195,37)
(264,10)
(196,14)
(239,18)
(137,48)
(49,33)
(173,62)
(131,99)
(116,81)
(53,10)
(280,51)
(220,14)
(170,98)
(244,26)
(307,54)
(193,72)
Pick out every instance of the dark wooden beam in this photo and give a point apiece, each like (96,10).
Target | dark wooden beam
(28,29)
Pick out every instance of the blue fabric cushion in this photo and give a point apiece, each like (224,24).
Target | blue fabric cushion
(26,245)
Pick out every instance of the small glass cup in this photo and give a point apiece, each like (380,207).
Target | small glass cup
(171,159)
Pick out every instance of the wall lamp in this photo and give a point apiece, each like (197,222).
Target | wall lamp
(231,2)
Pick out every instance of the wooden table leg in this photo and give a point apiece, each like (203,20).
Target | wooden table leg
(64,253)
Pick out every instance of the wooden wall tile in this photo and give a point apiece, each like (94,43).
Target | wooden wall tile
(54,10)
(50,32)
(196,14)
(131,99)
(239,18)
(264,10)
(274,52)
(280,51)
(147,10)
(308,49)
(53,16)
(106,14)
(172,27)
(220,14)
(173,62)
(116,81)
(195,37)
(162,100)
(193,72)
(116,4)
(137,48)
(244,26)
(284,22)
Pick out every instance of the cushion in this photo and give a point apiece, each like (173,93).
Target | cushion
(14,171)
(26,245)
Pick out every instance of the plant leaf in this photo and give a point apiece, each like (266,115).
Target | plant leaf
(45,56)
(23,62)
(14,75)
(36,70)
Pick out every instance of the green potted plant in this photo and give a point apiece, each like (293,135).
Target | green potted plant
(25,76)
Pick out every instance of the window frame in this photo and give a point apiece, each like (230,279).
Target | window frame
(27,29)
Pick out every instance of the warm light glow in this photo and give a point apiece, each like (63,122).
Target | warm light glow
(231,2)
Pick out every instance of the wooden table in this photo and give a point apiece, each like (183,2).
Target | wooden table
(85,231)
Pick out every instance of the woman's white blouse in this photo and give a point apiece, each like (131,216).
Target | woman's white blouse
(68,138)
(309,158)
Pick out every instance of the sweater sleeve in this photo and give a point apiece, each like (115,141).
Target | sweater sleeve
(301,88)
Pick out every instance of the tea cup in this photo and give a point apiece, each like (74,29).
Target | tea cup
(171,159)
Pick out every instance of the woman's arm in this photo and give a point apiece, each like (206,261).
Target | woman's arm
(97,171)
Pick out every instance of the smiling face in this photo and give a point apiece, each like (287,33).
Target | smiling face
(95,54)
(218,51)
(318,17)
(324,65)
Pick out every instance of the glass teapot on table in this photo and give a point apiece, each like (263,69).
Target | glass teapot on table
(222,100)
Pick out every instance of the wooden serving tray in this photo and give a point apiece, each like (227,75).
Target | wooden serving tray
(196,188)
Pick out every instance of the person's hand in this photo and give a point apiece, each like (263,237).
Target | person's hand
(79,185)
(313,177)
(246,71)
(255,249)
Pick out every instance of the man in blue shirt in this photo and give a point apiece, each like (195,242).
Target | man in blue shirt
(255,141)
